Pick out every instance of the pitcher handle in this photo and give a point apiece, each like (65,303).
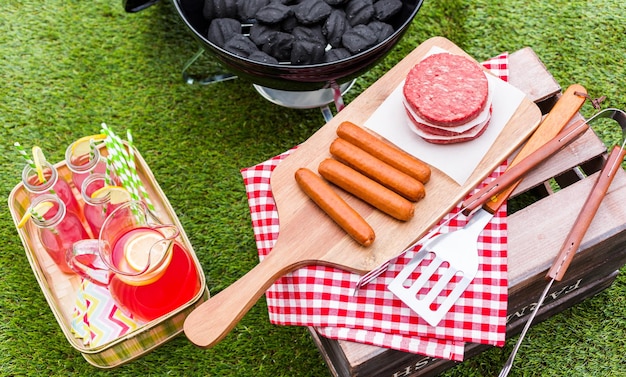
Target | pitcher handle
(84,259)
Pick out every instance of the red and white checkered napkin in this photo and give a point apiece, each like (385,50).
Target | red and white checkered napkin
(323,296)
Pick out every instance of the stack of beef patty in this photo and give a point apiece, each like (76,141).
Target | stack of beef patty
(447,99)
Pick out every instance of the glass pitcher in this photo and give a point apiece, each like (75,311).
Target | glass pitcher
(147,271)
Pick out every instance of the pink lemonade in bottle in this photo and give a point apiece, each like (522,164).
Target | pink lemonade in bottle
(58,229)
(163,287)
(52,184)
(82,164)
(95,210)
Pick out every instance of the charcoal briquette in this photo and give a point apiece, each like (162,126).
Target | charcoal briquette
(273,13)
(359,39)
(222,29)
(306,52)
(310,12)
(335,54)
(260,34)
(382,30)
(335,3)
(247,9)
(359,12)
(279,46)
(289,23)
(240,45)
(262,57)
(309,33)
(385,9)
(335,26)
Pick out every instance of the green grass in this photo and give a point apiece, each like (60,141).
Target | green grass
(67,66)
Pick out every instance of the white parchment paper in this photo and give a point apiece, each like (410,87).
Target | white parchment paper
(458,161)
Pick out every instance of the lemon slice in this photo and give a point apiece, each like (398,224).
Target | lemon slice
(145,247)
(41,209)
(117,194)
(39,159)
(83,145)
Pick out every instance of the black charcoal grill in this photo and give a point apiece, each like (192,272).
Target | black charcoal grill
(295,86)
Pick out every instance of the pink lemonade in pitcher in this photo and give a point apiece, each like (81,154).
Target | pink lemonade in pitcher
(163,287)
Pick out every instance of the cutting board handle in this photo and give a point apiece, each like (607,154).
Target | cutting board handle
(563,111)
(210,322)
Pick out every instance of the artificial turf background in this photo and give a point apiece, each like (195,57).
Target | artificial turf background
(67,66)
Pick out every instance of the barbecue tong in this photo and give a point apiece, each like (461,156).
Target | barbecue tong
(586,215)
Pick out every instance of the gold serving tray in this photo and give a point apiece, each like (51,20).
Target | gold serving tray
(60,289)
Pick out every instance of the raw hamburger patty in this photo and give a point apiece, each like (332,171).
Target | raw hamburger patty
(433,138)
(446,89)
(448,131)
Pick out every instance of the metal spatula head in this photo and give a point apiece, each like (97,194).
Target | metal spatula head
(441,271)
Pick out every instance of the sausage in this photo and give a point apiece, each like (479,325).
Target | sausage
(377,170)
(366,189)
(384,151)
(334,206)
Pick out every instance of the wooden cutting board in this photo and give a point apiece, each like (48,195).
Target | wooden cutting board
(392,236)
(307,236)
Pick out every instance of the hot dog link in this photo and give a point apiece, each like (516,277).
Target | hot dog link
(377,170)
(386,152)
(366,189)
(334,206)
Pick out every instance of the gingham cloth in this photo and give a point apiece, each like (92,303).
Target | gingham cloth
(323,297)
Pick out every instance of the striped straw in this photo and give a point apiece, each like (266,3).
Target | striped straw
(124,165)
(92,149)
(118,161)
(133,170)
(108,180)
(24,154)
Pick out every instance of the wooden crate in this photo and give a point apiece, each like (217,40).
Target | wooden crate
(534,240)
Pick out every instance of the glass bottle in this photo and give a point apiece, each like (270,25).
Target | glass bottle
(58,230)
(83,165)
(95,210)
(52,184)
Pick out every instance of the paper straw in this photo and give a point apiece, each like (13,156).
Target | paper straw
(133,170)
(108,171)
(92,150)
(124,165)
(118,160)
(25,154)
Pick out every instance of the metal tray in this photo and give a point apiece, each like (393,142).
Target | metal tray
(60,289)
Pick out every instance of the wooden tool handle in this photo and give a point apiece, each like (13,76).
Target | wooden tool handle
(563,111)
(514,173)
(587,213)
(215,318)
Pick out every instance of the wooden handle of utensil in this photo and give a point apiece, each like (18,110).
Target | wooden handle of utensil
(563,111)
(587,213)
(515,172)
(210,322)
